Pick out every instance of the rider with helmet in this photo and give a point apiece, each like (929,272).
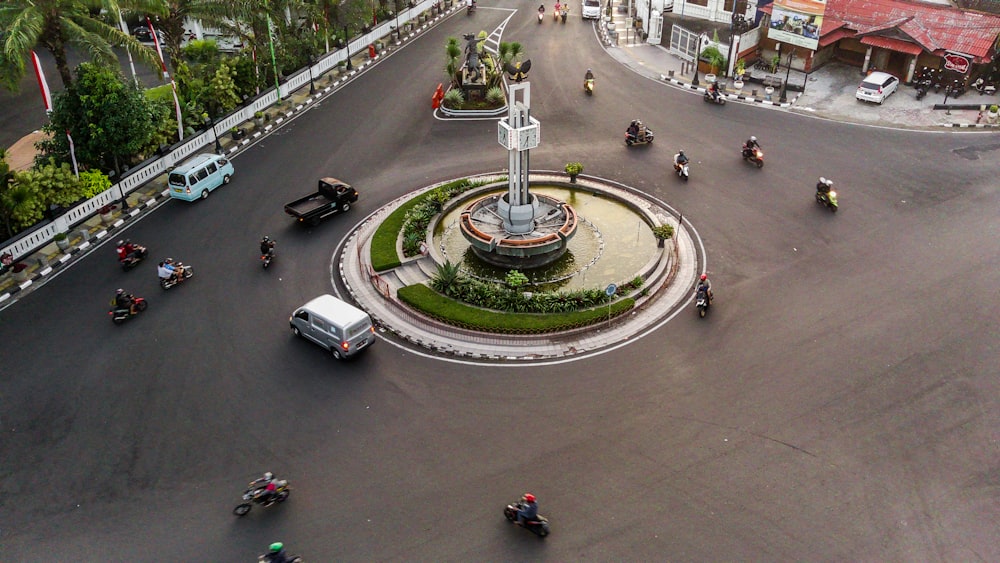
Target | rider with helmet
(266,246)
(588,78)
(750,146)
(124,301)
(276,553)
(267,488)
(680,159)
(824,186)
(705,284)
(528,510)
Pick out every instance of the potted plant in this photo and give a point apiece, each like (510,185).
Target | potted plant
(105,212)
(62,241)
(258,118)
(237,133)
(573,169)
(992,114)
(20,271)
(740,69)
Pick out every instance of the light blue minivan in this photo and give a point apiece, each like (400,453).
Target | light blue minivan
(199,176)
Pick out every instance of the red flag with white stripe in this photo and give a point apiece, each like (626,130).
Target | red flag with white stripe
(42,84)
(166,75)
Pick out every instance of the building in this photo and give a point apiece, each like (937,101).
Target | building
(900,36)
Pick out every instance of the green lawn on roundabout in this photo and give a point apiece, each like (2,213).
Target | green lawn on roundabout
(384,256)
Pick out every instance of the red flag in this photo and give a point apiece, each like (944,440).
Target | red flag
(42,84)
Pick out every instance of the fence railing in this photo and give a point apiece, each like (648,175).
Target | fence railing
(135,178)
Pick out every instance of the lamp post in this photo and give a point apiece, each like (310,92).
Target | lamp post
(788,71)
(697,56)
(209,122)
(309,61)
(347,45)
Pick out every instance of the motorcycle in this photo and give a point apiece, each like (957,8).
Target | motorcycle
(644,136)
(122,314)
(539,526)
(755,156)
(469,8)
(254,495)
(720,99)
(563,14)
(265,259)
(555,15)
(588,86)
(829,200)
(702,302)
(984,87)
(541,16)
(133,259)
(167,283)
(682,171)
(922,87)
(291,558)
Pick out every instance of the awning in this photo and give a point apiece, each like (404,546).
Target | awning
(834,36)
(892,44)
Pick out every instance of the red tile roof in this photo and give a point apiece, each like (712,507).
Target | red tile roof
(834,36)
(892,44)
(937,28)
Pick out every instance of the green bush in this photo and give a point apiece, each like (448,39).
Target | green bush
(495,95)
(452,312)
(93,182)
(454,98)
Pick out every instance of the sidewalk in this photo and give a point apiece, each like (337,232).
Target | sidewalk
(829,93)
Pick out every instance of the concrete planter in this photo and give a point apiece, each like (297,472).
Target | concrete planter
(107,218)
(63,244)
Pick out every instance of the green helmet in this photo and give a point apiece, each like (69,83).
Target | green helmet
(276,547)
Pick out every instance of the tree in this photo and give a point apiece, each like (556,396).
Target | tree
(110,120)
(56,24)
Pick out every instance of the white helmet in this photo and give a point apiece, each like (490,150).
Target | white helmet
(268,475)
(829,183)
(753,138)
(822,180)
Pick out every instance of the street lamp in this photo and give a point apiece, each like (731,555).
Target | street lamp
(788,71)
(347,45)
(697,56)
(210,122)
(309,61)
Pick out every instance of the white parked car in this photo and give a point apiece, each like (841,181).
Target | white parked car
(591,9)
(876,87)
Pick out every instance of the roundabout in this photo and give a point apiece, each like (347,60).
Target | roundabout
(668,279)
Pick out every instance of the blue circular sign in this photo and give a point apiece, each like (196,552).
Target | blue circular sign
(612,288)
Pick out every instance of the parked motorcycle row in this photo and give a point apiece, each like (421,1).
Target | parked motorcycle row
(927,79)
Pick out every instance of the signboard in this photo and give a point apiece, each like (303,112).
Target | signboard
(797,22)
(957,62)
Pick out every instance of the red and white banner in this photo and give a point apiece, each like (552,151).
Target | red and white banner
(42,84)
(166,75)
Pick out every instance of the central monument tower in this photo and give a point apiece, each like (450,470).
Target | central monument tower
(518,229)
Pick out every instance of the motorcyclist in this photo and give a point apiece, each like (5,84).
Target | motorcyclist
(267,245)
(680,159)
(705,284)
(470,4)
(528,510)
(588,77)
(714,91)
(750,146)
(541,8)
(633,129)
(124,301)
(824,186)
(555,14)
(266,488)
(122,251)
(165,270)
(276,553)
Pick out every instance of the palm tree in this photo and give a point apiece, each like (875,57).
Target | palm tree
(55,25)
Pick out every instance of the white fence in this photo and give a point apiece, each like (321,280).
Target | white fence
(137,177)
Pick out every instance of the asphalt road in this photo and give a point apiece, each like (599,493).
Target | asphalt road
(839,402)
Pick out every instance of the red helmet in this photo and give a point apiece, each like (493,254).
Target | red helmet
(704,277)
(529,497)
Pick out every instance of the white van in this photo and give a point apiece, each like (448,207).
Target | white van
(336,325)
(197,177)
(591,9)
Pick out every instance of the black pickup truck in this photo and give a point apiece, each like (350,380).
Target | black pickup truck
(333,196)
